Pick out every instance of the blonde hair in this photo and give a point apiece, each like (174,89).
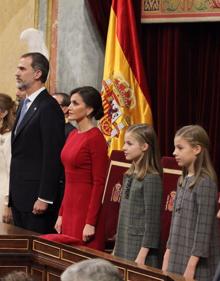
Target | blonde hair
(196,135)
(6,103)
(149,163)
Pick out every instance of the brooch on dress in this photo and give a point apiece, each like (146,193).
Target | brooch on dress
(128,187)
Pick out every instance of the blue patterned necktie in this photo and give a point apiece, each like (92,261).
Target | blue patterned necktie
(23,112)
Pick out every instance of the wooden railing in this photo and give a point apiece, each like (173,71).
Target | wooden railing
(45,260)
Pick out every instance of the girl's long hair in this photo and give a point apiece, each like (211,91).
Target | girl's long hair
(6,103)
(196,135)
(149,162)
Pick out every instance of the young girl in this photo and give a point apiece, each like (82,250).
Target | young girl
(139,218)
(193,247)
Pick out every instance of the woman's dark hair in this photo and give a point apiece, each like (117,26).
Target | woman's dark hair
(91,98)
(7,104)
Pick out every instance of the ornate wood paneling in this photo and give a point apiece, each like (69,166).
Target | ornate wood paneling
(46,260)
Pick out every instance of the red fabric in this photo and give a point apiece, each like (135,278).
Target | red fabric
(85,161)
(118,155)
(128,40)
(112,197)
(183,68)
(169,189)
(111,202)
(64,239)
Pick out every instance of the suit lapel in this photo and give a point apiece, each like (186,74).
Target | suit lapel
(29,115)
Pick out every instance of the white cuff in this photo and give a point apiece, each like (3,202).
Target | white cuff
(45,201)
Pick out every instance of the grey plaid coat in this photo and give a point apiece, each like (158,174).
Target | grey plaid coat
(195,229)
(139,218)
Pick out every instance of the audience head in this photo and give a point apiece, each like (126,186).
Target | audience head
(196,137)
(64,101)
(92,99)
(7,116)
(149,159)
(17,276)
(32,68)
(91,270)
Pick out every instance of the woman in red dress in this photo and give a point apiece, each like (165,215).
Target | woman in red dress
(85,161)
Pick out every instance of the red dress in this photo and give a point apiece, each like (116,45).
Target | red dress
(85,161)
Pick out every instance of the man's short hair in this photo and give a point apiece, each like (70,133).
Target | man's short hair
(65,98)
(91,270)
(39,62)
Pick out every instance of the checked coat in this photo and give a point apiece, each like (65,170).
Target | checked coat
(195,229)
(139,218)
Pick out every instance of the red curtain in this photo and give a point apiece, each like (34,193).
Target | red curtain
(183,69)
(182,62)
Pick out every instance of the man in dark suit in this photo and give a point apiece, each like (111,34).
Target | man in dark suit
(37,140)
(64,101)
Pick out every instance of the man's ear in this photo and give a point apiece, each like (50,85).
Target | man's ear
(37,74)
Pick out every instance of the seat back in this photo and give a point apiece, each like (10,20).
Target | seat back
(112,193)
(171,173)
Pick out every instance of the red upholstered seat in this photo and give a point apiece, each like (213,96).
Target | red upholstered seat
(112,195)
(64,239)
(171,173)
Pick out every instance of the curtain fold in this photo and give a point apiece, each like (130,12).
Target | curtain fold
(183,66)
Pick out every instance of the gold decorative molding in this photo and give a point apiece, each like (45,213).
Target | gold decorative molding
(51,41)
(38,246)
(113,163)
(155,11)
(36,14)
(172,171)
(141,275)
(72,254)
(49,23)
(122,270)
(14,244)
(50,276)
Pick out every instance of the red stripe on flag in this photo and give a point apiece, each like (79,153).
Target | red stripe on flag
(128,40)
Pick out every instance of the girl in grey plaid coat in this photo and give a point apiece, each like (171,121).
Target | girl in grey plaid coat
(193,247)
(138,230)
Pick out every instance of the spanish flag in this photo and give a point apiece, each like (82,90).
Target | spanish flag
(125,93)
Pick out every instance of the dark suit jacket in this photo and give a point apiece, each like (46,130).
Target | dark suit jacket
(35,164)
(68,129)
